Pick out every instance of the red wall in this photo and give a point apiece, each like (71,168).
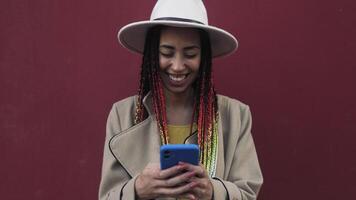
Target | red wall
(61,69)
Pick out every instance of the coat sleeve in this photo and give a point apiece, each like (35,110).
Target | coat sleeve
(244,178)
(115,183)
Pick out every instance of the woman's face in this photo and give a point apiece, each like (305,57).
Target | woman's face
(179,58)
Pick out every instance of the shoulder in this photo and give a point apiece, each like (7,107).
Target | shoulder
(122,113)
(235,119)
(124,104)
(230,105)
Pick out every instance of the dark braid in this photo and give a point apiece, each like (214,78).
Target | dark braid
(150,62)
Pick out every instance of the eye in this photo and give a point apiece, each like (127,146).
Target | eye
(167,54)
(191,55)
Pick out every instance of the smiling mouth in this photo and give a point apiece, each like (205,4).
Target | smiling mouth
(177,77)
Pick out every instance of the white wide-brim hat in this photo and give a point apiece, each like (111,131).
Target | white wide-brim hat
(178,13)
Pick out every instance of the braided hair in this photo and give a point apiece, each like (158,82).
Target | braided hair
(205,113)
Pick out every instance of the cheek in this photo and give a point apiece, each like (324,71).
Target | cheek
(195,64)
(163,62)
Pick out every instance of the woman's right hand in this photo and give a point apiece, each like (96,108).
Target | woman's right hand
(156,183)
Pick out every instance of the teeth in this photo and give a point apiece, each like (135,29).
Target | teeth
(177,77)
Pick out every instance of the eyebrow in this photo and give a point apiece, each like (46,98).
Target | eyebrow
(191,47)
(185,48)
(166,46)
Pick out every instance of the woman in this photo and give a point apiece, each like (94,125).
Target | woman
(177,103)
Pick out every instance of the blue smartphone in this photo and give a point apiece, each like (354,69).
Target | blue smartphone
(172,154)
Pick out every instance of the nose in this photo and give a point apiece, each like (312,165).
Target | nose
(178,63)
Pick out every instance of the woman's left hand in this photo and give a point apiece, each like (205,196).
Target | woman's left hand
(204,188)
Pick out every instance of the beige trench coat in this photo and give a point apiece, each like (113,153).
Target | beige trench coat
(129,148)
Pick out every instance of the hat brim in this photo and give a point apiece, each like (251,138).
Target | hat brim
(132,36)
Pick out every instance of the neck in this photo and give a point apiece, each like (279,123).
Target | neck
(179,100)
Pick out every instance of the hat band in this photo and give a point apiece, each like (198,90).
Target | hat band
(178,19)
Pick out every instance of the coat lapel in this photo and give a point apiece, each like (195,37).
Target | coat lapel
(137,146)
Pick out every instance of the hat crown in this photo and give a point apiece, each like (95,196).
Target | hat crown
(193,10)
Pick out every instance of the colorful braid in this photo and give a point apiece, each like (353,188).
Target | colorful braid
(205,113)
(207,109)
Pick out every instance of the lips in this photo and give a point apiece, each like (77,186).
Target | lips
(177,77)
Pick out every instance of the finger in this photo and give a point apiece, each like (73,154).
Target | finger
(176,191)
(203,183)
(172,171)
(204,187)
(187,196)
(197,192)
(198,169)
(176,180)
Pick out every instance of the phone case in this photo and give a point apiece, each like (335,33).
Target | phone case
(171,154)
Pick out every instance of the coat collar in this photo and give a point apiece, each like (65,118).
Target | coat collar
(135,147)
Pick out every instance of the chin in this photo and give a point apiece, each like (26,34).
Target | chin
(177,91)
